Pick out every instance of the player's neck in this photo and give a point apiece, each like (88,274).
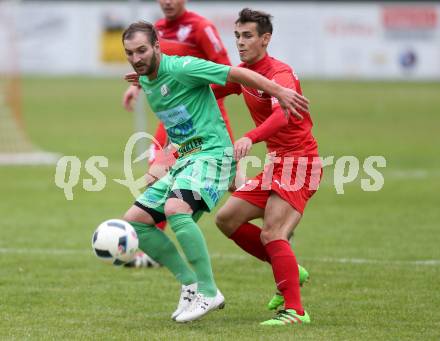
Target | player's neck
(257,59)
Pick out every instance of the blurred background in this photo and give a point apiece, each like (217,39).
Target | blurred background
(322,39)
(372,73)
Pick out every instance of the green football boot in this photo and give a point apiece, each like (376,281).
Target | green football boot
(286,317)
(278,300)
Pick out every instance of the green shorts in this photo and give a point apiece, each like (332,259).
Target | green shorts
(207,176)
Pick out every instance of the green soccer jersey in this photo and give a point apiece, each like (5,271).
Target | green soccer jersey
(183,100)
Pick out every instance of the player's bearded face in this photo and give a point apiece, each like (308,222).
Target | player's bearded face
(141,54)
(251,47)
(150,64)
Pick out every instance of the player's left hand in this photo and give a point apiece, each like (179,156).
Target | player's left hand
(130,97)
(242,147)
(293,102)
(132,78)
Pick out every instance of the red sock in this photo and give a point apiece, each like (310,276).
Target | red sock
(285,272)
(162,225)
(247,236)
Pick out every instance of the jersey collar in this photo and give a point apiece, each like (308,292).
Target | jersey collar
(145,79)
(260,63)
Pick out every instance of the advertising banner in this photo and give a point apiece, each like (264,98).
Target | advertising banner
(321,40)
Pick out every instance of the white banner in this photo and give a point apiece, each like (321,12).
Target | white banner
(322,40)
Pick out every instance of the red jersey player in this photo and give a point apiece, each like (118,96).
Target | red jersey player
(280,193)
(181,33)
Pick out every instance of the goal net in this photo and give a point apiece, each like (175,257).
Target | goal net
(15,145)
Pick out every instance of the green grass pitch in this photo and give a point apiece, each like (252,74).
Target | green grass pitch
(374,257)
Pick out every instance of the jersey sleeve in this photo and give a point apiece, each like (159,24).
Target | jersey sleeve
(228,89)
(194,72)
(278,119)
(287,79)
(210,43)
(269,127)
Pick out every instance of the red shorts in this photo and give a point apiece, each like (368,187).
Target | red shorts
(294,179)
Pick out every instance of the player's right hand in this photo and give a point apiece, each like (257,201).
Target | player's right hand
(130,97)
(293,102)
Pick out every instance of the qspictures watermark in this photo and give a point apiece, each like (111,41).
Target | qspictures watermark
(72,172)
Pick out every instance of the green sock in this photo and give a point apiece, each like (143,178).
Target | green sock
(194,246)
(158,246)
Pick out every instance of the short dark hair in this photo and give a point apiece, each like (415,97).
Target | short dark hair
(262,19)
(141,26)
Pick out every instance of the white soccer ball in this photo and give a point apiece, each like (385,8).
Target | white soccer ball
(115,241)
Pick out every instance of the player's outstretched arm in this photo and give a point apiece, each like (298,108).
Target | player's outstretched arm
(289,100)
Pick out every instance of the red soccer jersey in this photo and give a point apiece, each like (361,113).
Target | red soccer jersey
(285,136)
(191,35)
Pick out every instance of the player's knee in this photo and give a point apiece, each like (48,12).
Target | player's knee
(176,206)
(171,209)
(270,233)
(138,216)
(224,222)
(127,216)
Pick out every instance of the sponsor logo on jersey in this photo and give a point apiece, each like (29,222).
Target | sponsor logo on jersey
(164,90)
(212,192)
(191,146)
(181,132)
(178,123)
(183,32)
(174,116)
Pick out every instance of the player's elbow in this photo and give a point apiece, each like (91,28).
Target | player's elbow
(235,74)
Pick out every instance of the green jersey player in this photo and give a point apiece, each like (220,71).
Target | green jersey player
(178,90)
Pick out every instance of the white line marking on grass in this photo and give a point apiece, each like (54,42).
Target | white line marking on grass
(411,173)
(45,251)
(427,262)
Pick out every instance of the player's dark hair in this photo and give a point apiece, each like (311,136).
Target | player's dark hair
(141,26)
(262,19)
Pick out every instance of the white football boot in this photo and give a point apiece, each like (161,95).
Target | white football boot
(187,296)
(200,306)
(142,260)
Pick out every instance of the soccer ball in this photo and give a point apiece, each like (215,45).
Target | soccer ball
(115,241)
